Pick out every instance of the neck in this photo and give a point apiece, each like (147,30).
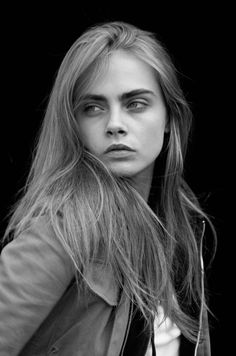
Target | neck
(142,182)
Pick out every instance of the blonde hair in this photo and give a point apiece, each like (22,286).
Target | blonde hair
(152,249)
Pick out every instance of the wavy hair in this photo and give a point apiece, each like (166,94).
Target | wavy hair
(152,248)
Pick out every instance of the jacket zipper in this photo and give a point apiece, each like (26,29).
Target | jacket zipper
(127,329)
(202,286)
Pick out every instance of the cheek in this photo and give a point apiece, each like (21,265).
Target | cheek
(90,139)
(154,134)
(85,132)
(157,144)
(153,141)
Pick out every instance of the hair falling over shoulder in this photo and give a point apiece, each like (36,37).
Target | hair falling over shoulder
(152,251)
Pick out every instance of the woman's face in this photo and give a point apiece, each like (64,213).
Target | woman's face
(124,107)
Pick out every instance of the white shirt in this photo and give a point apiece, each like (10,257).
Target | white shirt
(166,336)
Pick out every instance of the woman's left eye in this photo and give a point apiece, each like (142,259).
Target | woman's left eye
(137,105)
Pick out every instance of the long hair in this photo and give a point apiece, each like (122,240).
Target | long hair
(152,249)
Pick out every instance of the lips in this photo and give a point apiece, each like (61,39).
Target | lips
(118,147)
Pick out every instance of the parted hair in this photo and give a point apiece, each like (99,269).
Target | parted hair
(153,248)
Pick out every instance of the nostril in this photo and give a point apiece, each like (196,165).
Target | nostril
(116,131)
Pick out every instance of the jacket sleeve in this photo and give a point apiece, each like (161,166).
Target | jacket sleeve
(34,273)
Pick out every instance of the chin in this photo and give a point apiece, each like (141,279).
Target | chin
(122,172)
(129,173)
(125,169)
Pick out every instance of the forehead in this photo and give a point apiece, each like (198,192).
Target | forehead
(124,72)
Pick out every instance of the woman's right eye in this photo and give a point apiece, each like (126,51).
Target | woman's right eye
(92,109)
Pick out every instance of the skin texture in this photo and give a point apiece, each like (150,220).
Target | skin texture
(107,115)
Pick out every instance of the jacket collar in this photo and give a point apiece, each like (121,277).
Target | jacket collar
(101,281)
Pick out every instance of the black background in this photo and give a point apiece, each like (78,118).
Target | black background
(34,42)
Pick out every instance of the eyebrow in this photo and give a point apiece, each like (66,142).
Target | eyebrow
(122,97)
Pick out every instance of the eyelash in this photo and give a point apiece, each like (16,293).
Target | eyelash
(90,107)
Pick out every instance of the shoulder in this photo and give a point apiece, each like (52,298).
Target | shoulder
(37,251)
(34,273)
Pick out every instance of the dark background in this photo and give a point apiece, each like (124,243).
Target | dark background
(34,42)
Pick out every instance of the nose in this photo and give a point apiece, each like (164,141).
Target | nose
(116,123)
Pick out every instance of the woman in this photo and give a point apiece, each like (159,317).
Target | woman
(106,257)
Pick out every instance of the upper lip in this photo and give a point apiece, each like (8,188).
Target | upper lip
(118,147)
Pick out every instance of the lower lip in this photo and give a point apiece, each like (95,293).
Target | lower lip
(119,153)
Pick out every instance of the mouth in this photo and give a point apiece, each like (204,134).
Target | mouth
(118,148)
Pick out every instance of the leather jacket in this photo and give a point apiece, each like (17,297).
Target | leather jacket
(41,311)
